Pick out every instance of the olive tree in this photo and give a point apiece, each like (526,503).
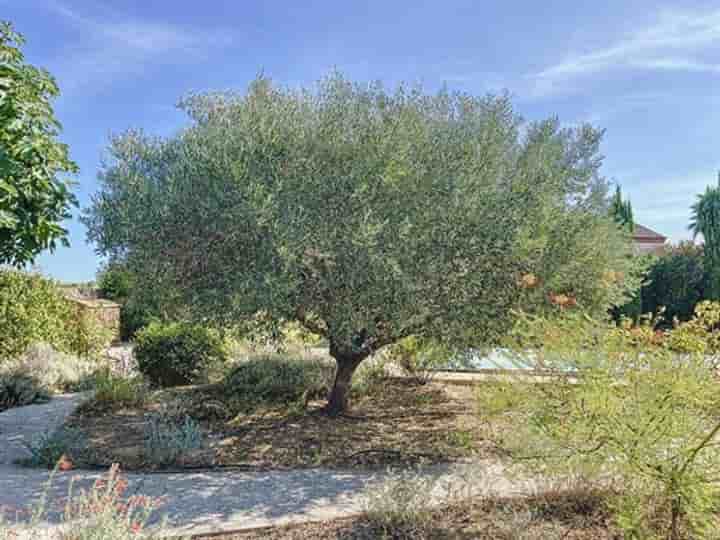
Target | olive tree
(365,215)
(33,200)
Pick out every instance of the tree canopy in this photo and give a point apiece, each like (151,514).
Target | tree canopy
(621,210)
(33,200)
(705,221)
(675,283)
(366,215)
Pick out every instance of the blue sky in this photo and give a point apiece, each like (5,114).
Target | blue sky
(648,72)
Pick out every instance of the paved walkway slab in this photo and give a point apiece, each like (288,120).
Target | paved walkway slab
(214,501)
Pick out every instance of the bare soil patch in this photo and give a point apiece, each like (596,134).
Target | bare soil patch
(554,516)
(398,423)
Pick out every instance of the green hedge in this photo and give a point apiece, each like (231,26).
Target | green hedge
(177,354)
(32,310)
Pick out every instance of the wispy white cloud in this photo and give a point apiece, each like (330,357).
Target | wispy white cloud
(113,47)
(677,41)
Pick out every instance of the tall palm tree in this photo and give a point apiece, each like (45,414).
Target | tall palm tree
(706,221)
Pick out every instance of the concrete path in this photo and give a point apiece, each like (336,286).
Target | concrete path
(214,501)
(20,425)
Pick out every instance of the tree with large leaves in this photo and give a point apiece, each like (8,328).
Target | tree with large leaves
(33,200)
(705,221)
(366,215)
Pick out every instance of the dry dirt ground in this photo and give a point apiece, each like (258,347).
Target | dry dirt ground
(573,515)
(399,423)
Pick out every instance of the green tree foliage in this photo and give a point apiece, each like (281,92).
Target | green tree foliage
(621,211)
(33,201)
(33,309)
(115,282)
(366,215)
(675,283)
(706,221)
(628,406)
(118,282)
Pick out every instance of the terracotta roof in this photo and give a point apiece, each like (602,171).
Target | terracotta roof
(643,233)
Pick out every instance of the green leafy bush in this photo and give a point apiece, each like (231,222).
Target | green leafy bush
(178,354)
(116,391)
(115,282)
(371,377)
(622,406)
(34,376)
(88,336)
(118,283)
(419,357)
(20,388)
(675,283)
(54,371)
(47,448)
(275,380)
(32,310)
(135,314)
(169,437)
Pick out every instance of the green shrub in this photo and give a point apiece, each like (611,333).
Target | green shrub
(47,448)
(644,416)
(20,388)
(274,380)
(34,376)
(178,354)
(675,283)
(135,314)
(169,437)
(32,310)
(115,282)
(88,336)
(371,377)
(118,283)
(54,371)
(419,357)
(116,391)
(295,333)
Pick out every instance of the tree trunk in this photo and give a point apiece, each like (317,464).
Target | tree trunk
(674,533)
(338,399)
